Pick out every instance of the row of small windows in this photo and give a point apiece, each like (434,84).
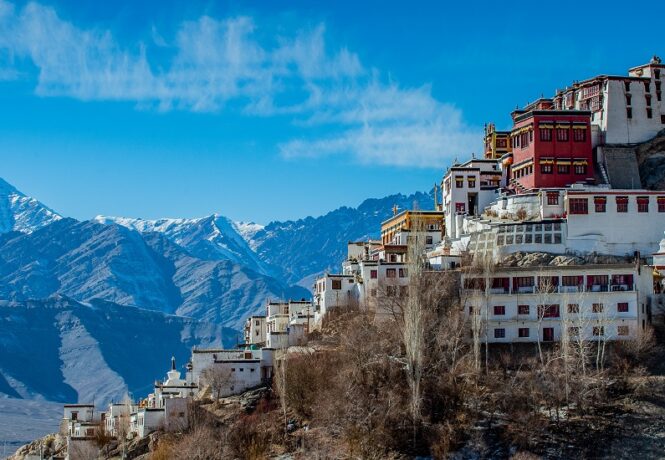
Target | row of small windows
(523,140)
(241,369)
(459,181)
(548,168)
(553,311)
(581,205)
(548,332)
(629,113)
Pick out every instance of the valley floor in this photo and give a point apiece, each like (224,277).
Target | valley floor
(23,420)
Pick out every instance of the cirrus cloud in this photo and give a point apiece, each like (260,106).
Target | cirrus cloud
(225,64)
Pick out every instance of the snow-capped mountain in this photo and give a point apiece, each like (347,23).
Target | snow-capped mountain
(88,260)
(21,213)
(209,238)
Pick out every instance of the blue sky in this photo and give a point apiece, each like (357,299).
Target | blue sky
(271,110)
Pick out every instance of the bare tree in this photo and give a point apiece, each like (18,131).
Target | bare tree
(281,383)
(220,380)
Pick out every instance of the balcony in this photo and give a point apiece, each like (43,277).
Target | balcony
(555,289)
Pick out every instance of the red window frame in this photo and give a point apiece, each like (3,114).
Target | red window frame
(373,274)
(600,202)
(552,198)
(622,203)
(522,309)
(578,206)
(391,273)
(622,307)
(548,311)
(661,203)
(579,135)
(642,204)
(499,310)
(545,134)
(562,134)
(523,332)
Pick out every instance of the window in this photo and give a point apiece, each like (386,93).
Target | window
(242,369)
(642,204)
(573,331)
(499,333)
(546,169)
(391,291)
(622,307)
(598,331)
(403,272)
(600,202)
(233,369)
(523,332)
(649,112)
(661,203)
(374,274)
(499,309)
(337,284)
(553,198)
(459,207)
(573,308)
(647,97)
(629,112)
(628,99)
(546,134)
(656,74)
(548,311)
(523,281)
(662,119)
(579,206)
(472,310)
(622,204)
(597,308)
(391,273)
(563,169)
(626,85)
(562,134)
(647,86)
(622,330)
(372,292)
(257,322)
(429,240)
(579,134)
(459,182)
(472,182)
(522,309)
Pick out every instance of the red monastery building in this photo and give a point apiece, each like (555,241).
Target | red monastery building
(550,148)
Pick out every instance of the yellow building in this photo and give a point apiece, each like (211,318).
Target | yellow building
(405,221)
(497,143)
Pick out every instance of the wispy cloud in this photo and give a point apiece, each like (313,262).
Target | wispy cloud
(216,62)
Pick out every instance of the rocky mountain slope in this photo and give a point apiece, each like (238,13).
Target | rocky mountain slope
(212,237)
(59,351)
(22,213)
(67,351)
(310,246)
(651,161)
(88,260)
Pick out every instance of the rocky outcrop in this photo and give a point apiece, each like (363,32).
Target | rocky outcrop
(651,161)
(49,446)
(539,259)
